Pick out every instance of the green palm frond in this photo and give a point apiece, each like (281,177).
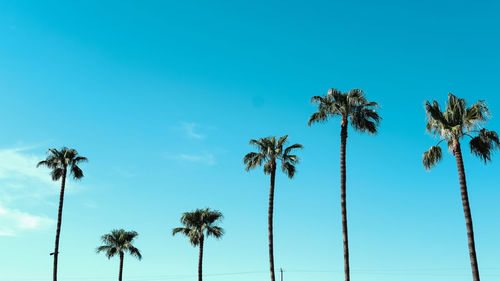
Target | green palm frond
(317,117)
(56,173)
(291,148)
(76,172)
(484,144)
(476,114)
(215,231)
(288,169)
(432,157)
(133,251)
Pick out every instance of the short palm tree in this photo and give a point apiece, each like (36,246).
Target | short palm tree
(61,162)
(197,225)
(271,150)
(455,123)
(350,107)
(119,242)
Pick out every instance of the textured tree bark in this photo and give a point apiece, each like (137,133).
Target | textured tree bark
(468,217)
(59,220)
(120,276)
(270,222)
(343,138)
(200,261)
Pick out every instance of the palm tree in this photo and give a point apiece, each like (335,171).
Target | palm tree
(119,241)
(456,122)
(59,161)
(269,152)
(198,224)
(351,107)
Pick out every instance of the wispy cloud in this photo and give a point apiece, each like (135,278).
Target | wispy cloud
(202,158)
(13,221)
(24,186)
(189,129)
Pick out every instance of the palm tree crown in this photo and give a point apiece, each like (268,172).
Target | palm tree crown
(60,160)
(199,222)
(454,123)
(271,150)
(119,241)
(351,106)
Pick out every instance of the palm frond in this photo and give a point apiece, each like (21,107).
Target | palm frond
(135,252)
(56,174)
(288,169)
(76,172)
(79,159)
(268,167)
(215,231)
(317,117)
(291,148)
(432,157)
(436,123)
(475,115)
(281,141)
(482,145)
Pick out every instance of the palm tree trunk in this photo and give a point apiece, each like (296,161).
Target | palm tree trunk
(270,222)
(343,138)
(468,217)
(200,261)
(120,275)
(59,220)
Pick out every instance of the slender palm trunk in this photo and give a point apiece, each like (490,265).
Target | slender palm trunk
(120,275)
(468,217)
(200,260)
(59,220)
(343,138)
(270,222)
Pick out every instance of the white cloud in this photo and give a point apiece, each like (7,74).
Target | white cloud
(189,130)
(16,164)
(13,221)
(204,158)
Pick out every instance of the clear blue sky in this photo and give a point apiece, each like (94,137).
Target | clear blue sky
(163,96)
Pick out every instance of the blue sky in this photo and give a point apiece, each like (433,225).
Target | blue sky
(163,96)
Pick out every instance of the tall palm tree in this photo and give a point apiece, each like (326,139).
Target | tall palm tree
(197,225)
(351,107)
(455,123)
(269,152)
(61,162)
(119,241)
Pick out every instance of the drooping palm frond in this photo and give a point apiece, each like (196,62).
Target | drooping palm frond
(365,118)
(484,144)
(288,169)
(436,123)
(432,157)
(133,251)
(215,231)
